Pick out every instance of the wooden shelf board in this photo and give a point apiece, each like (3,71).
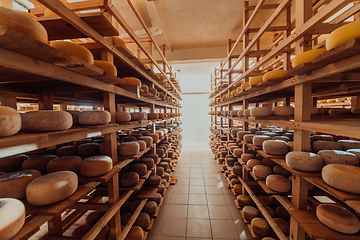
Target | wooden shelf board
(262,184)
(145,235)
(253,234)
(148,192)
(136,156)
(237,205)
(283,164)
(21,43)
(151,224)
(255,177)
(303,68)
(31,226)
(315,229)
(272,118)
(146,176)
(106,77)
(271,82)
(244,219)
(104,178)
(58,29)
(80,66)
(173,180)
(265,155)
(135,188)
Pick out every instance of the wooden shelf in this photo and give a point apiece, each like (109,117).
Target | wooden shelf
(267,190)
(138,155)
(31,226)
(283,164)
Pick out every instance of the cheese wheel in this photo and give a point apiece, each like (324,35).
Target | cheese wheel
(95,117)
(153,91)
(338,218)
(77,143)
(66,163)
(12,163)
(244,85)
(253,162)
(137,116)
(106,66)
(269,163)
(153,156)
(88,149)
(275,74)
(355,110)
(278,183)
(143,220)
(349,144)
(338,157)
(275,147)
(161,188)
(128,148)
(246,113)
(343,34)
(13,185)
(147,139)
(304,161)
(139,168)
(237,152)
(340,111)
(326,145)
(260,111)
(240,113)
(12,217)
(259,139)
(261,171)
(38,163)
(159,170)
(131,81)
(51,188)
(135,233)
(244,200)
(250,212)
(307,56)
(129,139)
(118,42)
(153,116)
(45,121)
(73,49)
(122,116)
(80,231)
(74,115)
(281,212)
(93,217)
(142,144)
(129,179)
(279,170)
(283,225)
(354,151)
(342,177)
(67,151)
(96,166)
(255,80)
(10,121)
(248,138)
(247,156)
(260,226)
(283,111)
(240,134)
(23,23)
(237,169)
(154,180)
(150,207)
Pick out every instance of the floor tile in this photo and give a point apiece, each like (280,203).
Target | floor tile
(197,199)
(217,200)
(196,182)
(174,227)
(213,190)
(197,189)
(183,175)
(210,181)
(218,229)
(163,209)
(158,226)
(198,228)
(219,212)
(179,198)
(196,175)
(198,211)
(176,211)
(197,170)
(183,182)
(180,189)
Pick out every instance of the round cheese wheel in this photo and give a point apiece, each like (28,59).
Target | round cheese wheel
(246,113)
(283,111)
(10,121)
(281,212)
(253,162)
(240,134)
(248,138)
(128,148)
(38,163)
(67,151)
(154,180)
(155,137)
(307,57)
(326,145)
(261,132)
(355,110)
(143,220)
(160,151)
(237,188)
(51,188)
(74,115)
(240,113)
(135,233)
(338,218)
(161,188)
(343,34)
(284,138)
(130,81)
(88,149)
(278,183)
(279,170)
(45,121)
(270,211)
(153,116)
(157,198)
(139,168)
(138,116)
(129,179)
(159,170)
(274,74)
(13,185)
(354,151)
(12,216)
(147,139)
(244,200)
(81,230)
(153,156)
(66,163)
(73,49)
(260,111)
(125,218)
(268,162)
(275,147)
(259,139)
(237,169)
(93,217)
(339,157)
(304,161)
(106,66)
(261,171)
(260,226)
(24,24)
(237,152)
(129,139)
(12,163)
(283,225)
(149,162)
(96,166)
(255,80)
(244,85)
(118,42)
(95,117)
(77,143)
(247,156)
(235,181)
(142,144)
(122,116)
(349,144)
(342,177)
(250,212)
(150,207)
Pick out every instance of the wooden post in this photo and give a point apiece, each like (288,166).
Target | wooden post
(287,33)
(45,101)
(245,61)
(355,101)
(9,101)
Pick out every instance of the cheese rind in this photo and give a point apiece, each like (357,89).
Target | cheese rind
(349,144)
(12,163)
(66,163)
(260,111)
(283,111)
(95,117)
(275,147)
(342,177)
(304,161)
(326,145)
(260,226)
(73,49)
(13,185)
(10,121)
(307,56)
(261,171)
(255,80)
(106,66)
(12,217)
(278,183)
(343,34)
(122,116)
(338,157)
(46,121)
(96,165)
(38,163)
(274,74)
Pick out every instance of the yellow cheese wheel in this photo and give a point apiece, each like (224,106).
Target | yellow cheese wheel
(12,217)
(244,200)
(278,64)
(250,212)
(73,49)
(275,74)
(237,188)
(13,185)
(66,163)
(96,166)
(283,225)
(306,57)
(261,171)
(260,226)
(106,66)
(233,92)
(343,34)
(10,121)
(23,23)
(137,116)
(118,42)
(244,85)
(131,81)
(153,116)
(255,80)
(51,188)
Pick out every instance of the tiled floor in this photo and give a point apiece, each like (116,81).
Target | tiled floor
(199,206)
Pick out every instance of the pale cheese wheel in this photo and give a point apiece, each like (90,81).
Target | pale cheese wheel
(143,220)
(260,226)
(51,188)
(283,111)
(246,113)
(250,212)
(150,207)
(142,144)
(231,148)
(10,121)
(304,161)
(307,56)
(234,131)
(343,34)
(278,183)
(128,148)
(248,138)
(253,162)
(13,185)
(66,163)
(275,147)
(129,179)
(355,110)
(349,144)
(147,139)
(12,163)
(46,121)
(88,149)
(95,117)
(259,139)
(12,216)
(135,233)
(261,171)
(240,134)
(24,24)
(38,163)
(96,166)
(255,80)
(106,66)
(326,145)
(73,49)
(130,81)
(338,157)
(138,116)
(240,113)
(260,111)
(122,116)
(342,177)
(274,74)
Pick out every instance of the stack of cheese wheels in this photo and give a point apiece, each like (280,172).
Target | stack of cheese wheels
(122,116)
(343,34)
(338,218)
(13,185)
(272,75)
(66,163)
(340,157)
(307,57)
(275,147)
(304,161)
(73,49)
(106,66)
(282,111)
(12,217)
(260,111)
(278,183)
(255,80)
(128,148)
(96,166)
(61,185)
(12,163)
(355,110)
(10,121)
(95,117)
(46,121)
(130,83)
(23,23)
(138,116)
(342,177)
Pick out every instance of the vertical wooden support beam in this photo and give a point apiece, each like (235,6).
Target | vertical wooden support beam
(9,101)
(55,226)
(287,33)
(303,14)
(164,64)
(245,124)
(115,221)
(245,61)
(45,101)
(355,101)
